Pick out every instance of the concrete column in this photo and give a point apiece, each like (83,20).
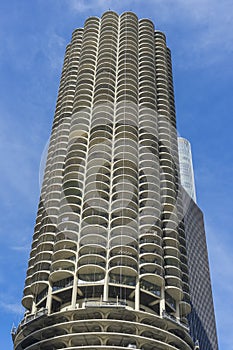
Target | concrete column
(137,295)
(177,310)
(74,292)
(105,296)
(162,301)
(33,307)
(49,300)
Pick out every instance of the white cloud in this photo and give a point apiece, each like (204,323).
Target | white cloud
(20,248)
(55,50)
(215,20)
(14,308)
(207,25)
(83,6)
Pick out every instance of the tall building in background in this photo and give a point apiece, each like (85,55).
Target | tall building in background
(202,318)
(186,167)
(108,266)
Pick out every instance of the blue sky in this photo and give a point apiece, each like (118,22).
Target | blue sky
(33,36)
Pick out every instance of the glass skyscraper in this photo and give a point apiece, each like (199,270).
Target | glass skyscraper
(202,318)
(108,267)
(186,167)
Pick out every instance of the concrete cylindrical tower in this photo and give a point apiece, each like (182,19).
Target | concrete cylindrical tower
(108,264)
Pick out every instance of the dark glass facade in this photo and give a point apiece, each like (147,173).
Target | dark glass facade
(202,317)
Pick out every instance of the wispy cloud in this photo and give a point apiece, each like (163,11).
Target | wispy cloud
(83,6)
(19,248)
(9,303)
(55,50)
(14,308)
(213,21)
(24,52)
(205,26)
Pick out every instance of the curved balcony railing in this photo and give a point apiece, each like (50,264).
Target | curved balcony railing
(93,259)
(93,239)
(86,278)
(93,248)
(61,274)
(130,250)
(123,260)
(151,268)
(173,271)
(64,243)
(123,240)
